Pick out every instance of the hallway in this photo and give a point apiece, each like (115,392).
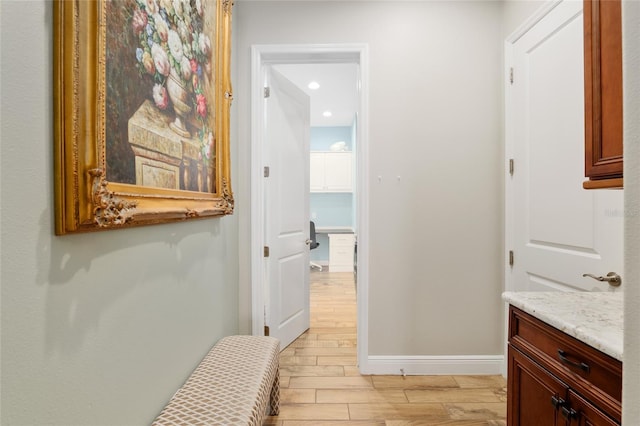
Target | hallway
(321,384)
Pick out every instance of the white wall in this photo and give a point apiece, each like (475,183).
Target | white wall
(631,55)
(435,120)
(98,328)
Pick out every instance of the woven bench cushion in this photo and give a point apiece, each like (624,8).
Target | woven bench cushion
(231,386)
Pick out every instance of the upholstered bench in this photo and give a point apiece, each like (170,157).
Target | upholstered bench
(231,386)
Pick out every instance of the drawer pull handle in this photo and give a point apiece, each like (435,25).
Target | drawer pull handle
(581,365)
(557,402)
(569,413)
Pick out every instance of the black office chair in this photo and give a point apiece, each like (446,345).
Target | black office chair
(314,243)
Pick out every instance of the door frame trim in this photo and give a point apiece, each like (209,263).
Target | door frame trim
(509,144)
(509,141)
(262,55)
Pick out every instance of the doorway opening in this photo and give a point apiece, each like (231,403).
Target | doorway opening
(294,62)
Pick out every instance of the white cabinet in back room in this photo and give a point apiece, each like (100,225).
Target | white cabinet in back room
(331,172)
(341,251)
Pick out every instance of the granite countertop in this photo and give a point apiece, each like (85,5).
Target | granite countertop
(594,318)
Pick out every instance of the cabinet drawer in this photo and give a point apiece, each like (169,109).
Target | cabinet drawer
(594,374)
(345,240)
(341,255)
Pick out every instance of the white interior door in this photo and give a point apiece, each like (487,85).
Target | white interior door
(287,208)
(559,230)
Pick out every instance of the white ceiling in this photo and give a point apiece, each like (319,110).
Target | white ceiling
(338,90)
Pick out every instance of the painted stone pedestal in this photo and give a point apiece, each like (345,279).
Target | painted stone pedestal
(163,158)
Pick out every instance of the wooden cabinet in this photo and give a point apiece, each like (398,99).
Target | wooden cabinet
(331,172)
(603,93)
(555,379)
(531,390)
(584,413)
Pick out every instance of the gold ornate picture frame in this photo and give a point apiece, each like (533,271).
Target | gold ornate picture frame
(142,97)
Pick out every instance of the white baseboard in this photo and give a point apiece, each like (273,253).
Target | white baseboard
(433,365)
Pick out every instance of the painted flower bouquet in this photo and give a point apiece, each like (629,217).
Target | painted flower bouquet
(176,52)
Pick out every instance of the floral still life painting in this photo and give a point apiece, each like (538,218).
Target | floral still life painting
(166,46)
(162,100)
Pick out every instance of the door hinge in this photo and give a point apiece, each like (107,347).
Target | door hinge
(511,75)
(266,330)
(266,327)
(510,257)
(266,171)
(267,92)
(266,251)
(511,166)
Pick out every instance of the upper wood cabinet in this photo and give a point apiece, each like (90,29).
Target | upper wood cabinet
(603,93)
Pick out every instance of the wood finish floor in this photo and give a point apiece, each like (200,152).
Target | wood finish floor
(321,384)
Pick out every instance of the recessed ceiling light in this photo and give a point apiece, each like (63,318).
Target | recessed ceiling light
(314,85)
(327,114)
